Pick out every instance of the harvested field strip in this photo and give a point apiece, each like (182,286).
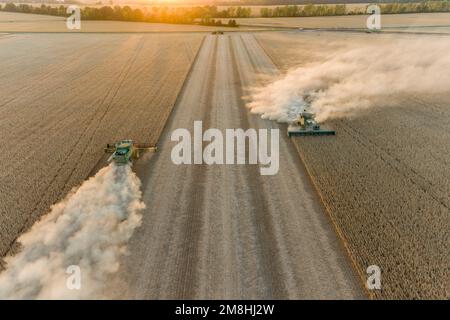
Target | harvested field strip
(100,89)
(242,235)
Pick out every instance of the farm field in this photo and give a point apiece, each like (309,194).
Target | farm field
(425,29)
(385,177)
(24,22)
(356,21)
(227,232)
(416,23)
(377,193)
(76,93)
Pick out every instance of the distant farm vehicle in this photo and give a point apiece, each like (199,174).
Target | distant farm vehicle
(306,125)
(217,32)
(124,151)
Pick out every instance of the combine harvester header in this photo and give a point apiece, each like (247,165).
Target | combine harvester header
(306,125)
(123,152)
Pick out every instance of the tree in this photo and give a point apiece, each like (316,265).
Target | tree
(340,9)
(265,12)
(232,23)
(11,7)
(231,12)
(137,15)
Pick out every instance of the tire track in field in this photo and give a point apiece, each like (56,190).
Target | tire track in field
(266,238)
(188,275)
(263,65)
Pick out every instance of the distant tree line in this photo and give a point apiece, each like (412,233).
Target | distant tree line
(211,15)
(311,10)
(205,15)
(217,23)
(42,1)
(296,2)
(424,6)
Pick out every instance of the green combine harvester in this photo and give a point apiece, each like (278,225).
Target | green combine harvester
(306,125)
(123,152)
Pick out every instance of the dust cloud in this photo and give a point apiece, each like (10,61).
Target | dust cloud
(89,229)
(355,79)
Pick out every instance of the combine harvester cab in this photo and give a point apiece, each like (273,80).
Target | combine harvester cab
(123,152)
(306,125)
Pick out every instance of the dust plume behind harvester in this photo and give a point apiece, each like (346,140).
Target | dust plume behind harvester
(125,151)
(306,125)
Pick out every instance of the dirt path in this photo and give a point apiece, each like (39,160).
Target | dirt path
(225,231)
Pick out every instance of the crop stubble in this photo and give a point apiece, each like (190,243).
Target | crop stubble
(384,178)
(65,97)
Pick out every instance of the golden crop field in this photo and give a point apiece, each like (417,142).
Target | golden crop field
(411,20)
(20,22)
(384,178)
(376,193)
(63,103)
